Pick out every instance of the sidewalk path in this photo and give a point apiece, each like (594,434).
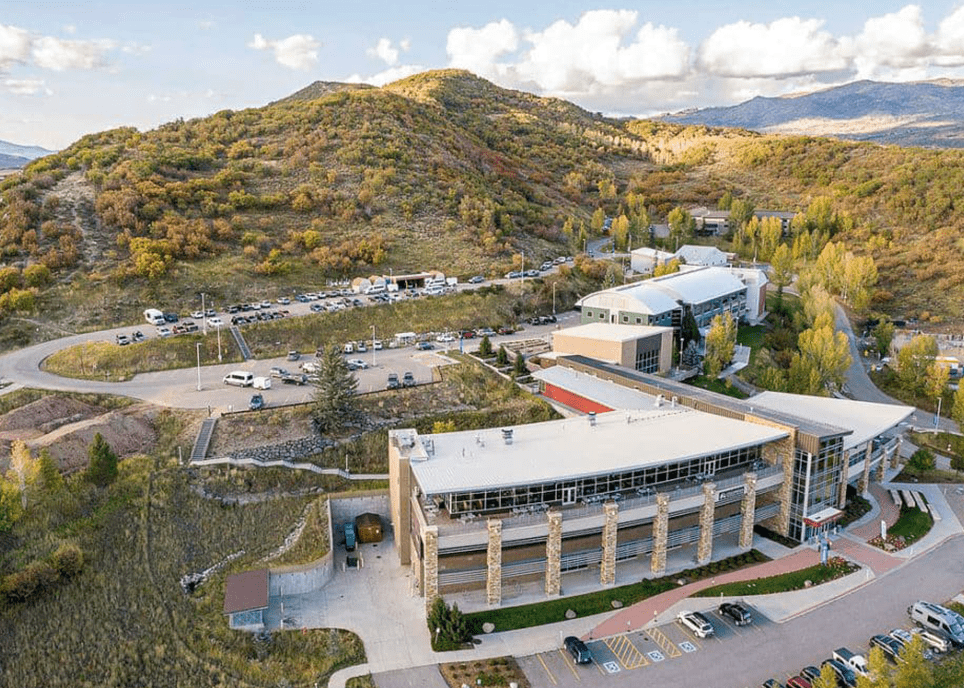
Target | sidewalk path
(646,611)
(889,512)
(872,557)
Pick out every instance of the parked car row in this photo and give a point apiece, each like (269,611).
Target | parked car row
(940,629)
(124,339)
(255,317)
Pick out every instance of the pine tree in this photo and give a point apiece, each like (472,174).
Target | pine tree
(502,357)
(51,481)
(102,462)
(519,367)
(335,403)
(485,347)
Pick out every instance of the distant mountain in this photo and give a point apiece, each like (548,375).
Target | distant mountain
(8,162)
(319,89)
(929,113)
(14,155)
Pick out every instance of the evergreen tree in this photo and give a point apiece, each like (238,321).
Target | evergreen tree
(485,347)
(883,336)
(50,479)
(519,367)
(502,357)
(335,403)
(102,462)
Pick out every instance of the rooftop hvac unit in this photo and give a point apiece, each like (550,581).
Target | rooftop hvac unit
(507,435)
(592,418)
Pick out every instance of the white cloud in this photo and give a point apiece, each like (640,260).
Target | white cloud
(386,52)
(136,49)
(27,87)
(478,49)
(895,41)
(386,77)
(59,55)
(14,46)
(299,51)
(785,47)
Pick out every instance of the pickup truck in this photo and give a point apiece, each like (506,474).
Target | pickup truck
(855,662)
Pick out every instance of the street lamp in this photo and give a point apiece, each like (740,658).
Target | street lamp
(199,366)
(554,298)
(937,418)
(523,275)
(373,346)
(219,342)
(204,317)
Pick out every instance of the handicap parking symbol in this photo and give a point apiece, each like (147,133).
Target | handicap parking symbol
(687,646)
(612,667)
(656,656)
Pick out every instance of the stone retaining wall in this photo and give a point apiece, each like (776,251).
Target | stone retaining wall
(289,450)
(298,580)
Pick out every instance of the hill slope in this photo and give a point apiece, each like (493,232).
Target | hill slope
(910,114)
(440,170)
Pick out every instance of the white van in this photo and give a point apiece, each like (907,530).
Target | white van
(929,615)
(261,383)
(239,378)
(154,316)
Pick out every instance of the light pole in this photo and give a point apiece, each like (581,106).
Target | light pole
(937,418)
(522,277)
(373,346)
(219,342)
(554,298)
(204,317)
(198,366)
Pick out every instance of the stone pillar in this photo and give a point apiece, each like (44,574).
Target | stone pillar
(660,531)
(895,457)
(430,577)
(607,569)
(882,464)
(844,473)
(554,555)
(747,511)
(780,453)
(864,483)
(493,582)
(704,550)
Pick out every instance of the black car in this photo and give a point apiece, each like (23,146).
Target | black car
(171,317)
(408,380)
(889,645)
(771,683)
(478,279)
(580,653)
(845,675)
(256,403)
(424,346)
(811,673)
(736,612)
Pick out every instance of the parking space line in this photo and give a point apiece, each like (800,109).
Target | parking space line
(568,663)
(546,667)
(626,652)
(665,644)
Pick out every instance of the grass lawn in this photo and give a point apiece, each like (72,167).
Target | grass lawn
(553,611)
(912,525)
(716,385)
(794,580)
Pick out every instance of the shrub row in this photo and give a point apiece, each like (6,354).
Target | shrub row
(43,574)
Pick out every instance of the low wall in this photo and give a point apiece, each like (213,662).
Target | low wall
(346,506)
(304,578)
(289,450)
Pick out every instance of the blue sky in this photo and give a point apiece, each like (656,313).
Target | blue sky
(68,68)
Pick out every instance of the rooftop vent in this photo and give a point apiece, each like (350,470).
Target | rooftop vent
(507,435)
(592,418)
(675,401)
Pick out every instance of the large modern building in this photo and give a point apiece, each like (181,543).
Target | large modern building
(703,291)
(638,347)
(654,465)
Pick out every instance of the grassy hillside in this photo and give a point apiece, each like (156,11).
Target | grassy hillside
(439,170)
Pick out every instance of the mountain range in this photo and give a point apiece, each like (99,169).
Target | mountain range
(13,155)
(926,113)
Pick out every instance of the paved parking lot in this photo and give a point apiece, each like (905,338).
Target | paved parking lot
(634,657)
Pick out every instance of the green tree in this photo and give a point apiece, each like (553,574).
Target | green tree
(913,360)
(502,356)
(101,462)
(770,233)
(957,462)
(935,381)
(884,335)
(781,268)
(447,624)
(826,679)
(726,201)
(720,343)
(334,401)
(10,505)
(667,268)
(485,347)
(922,460)
(957,410)
(859,279)
(598,218)
(49,478)
(519,366)
(879,668)
(440,426)
(681,225)
(741,211)
(822,361)
(620,233)
(24,468)
(914,671)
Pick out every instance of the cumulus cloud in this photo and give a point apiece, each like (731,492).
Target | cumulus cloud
(14,46)
(478,50)
(386,77)
(893,41)
(299,51)
(785,47)
(27,87)
(386,52)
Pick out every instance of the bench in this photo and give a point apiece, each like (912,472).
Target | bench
(895,495)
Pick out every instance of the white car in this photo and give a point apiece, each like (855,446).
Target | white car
(696,623)
(197,314)
(163,331)
(447,337)
(356,364)
(377,345)
(215,322)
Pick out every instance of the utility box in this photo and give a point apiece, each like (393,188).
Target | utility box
(369,528)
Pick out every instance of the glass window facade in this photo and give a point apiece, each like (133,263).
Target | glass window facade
(815,483)
(648,361)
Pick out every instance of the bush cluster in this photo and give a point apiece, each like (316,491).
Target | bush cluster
(43,574)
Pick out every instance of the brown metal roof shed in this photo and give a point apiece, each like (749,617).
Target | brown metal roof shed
(246,591)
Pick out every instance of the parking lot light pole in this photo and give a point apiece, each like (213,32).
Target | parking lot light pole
(554,298)
(219,342)
(199,366)
(204,317)
(373,346)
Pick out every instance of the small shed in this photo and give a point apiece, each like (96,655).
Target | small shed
(246,598)
(368,527)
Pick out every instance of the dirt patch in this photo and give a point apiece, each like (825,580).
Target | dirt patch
(46,415)
(257,428)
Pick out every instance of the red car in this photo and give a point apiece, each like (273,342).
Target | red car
(467,334)
(798,682)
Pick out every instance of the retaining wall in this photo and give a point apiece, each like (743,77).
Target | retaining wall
(304,578)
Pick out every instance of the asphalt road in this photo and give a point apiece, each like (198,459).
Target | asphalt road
(747,656)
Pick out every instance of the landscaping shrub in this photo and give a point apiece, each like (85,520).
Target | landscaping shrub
(68,560)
